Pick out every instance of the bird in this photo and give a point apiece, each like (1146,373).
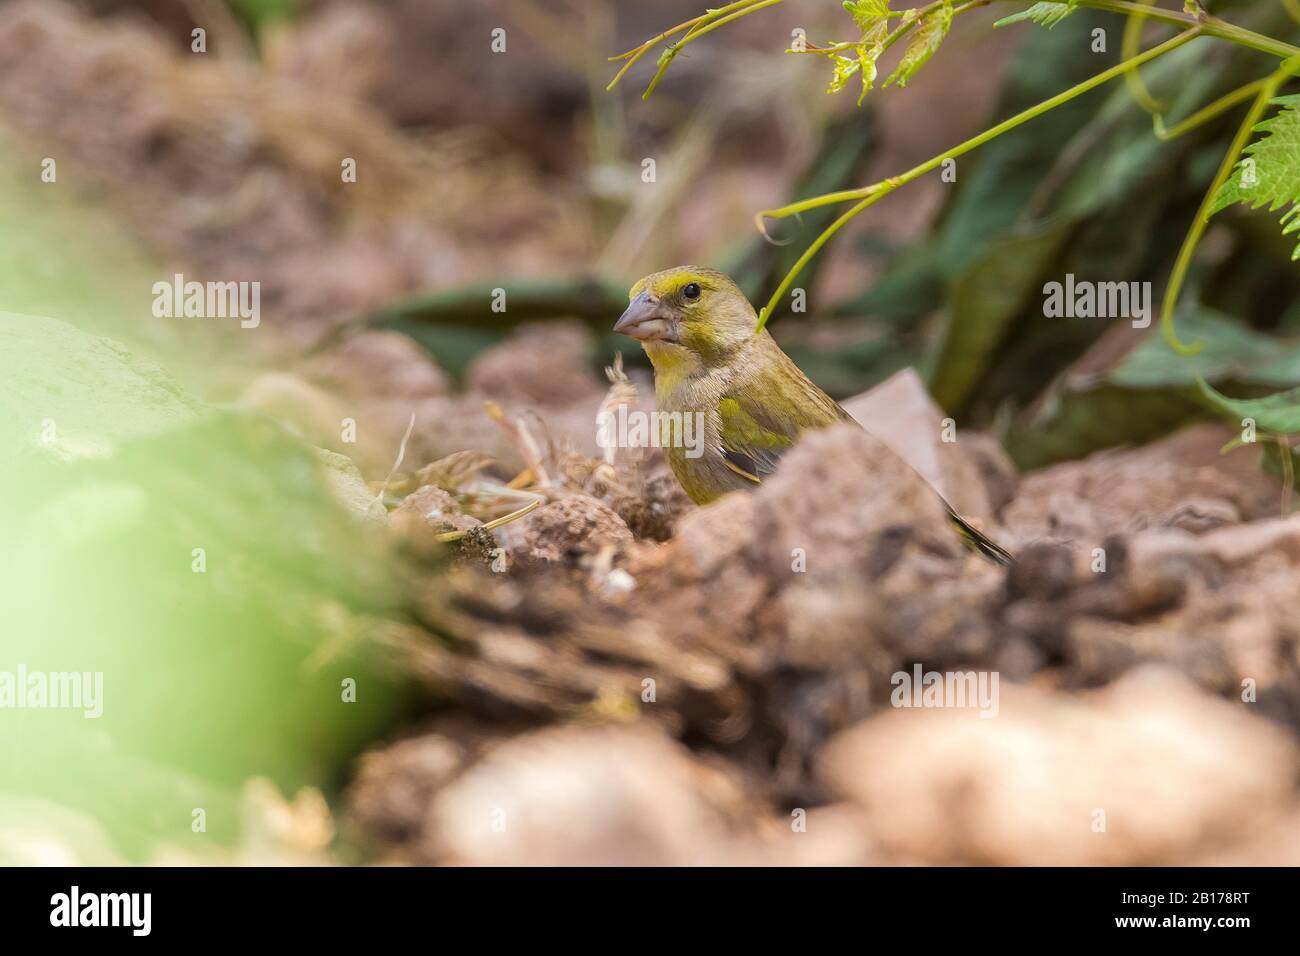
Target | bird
(698,330)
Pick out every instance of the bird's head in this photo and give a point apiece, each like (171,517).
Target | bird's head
(688,308)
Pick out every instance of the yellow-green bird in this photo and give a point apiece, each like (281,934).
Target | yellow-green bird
(697,328)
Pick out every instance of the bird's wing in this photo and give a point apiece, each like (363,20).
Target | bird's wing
(759,421)
(749,447)
(763,412)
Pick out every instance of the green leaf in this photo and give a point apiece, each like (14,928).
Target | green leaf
(1149,391)
(1271,462)
(872,16)
(1044,14)
(1070,423)
(866,13)
(1272,413)
(1233,353)
(1269,173)
(985,300)
(869,51)
(925,42)
(844,71)
(867,58)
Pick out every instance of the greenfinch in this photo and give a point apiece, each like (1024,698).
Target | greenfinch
(697,328)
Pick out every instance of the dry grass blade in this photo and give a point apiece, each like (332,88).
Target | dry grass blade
(621,392)
(454,471)
(494,524)
(523,441)
(401,454)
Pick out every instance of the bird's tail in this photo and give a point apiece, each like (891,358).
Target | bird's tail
(978,541)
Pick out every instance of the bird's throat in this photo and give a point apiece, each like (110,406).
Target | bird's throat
(672,363)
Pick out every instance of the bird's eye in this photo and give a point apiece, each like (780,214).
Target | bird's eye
(691,290)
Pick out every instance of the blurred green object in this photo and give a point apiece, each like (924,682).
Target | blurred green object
(201,563)
(1278,413)
(75,259)
(1152,390)
(222,578)
(259,14)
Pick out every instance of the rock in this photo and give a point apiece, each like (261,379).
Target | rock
(541,364)
(305,409)
(650,501)
(1219,607)
(349,487)
(444,426)
(900,412)
(378,364)
(828,836)
(995,467)
(1180,481)
(430,511)
(68,394)
(1275,842)
(1042,570)
(1277,540)
(394,785)
(570,796)
(374,427)
(838,494)
(566,530)
(1148,771)
(703,585)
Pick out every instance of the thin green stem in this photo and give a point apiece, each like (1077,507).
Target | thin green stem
(634,54)
(1215,27)
(1209,26)
(1288,471)
(869,195)
(899,31)
(1207,113)
(1131,44)
(695,33)
(1181,266)
(904,28)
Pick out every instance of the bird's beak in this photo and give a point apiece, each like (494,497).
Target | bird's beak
(646,319)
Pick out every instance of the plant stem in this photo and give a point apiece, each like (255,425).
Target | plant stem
(698,31)
(1207,113)
(1131,44)
(1266,92)
(1288,472)
(869,195)
(1209,26)
(631,56)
